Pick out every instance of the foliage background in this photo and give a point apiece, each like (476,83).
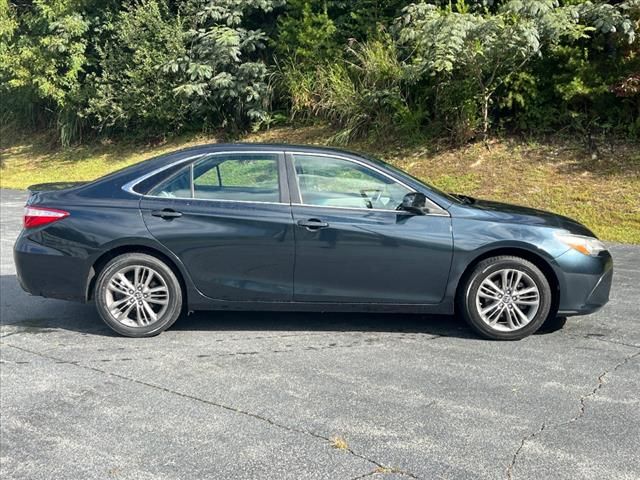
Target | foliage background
(458,70)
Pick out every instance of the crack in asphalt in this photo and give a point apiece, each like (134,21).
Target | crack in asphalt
(365,475)
(380,468)
(206,356)
(591,336)
(600,337)
(581,412)
(384,470)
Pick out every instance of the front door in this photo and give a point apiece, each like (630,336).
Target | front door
(353,246)
(228,218)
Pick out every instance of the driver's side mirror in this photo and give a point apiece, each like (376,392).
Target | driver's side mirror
(414,202)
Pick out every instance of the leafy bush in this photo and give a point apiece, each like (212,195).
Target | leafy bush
(476,54)
(312,31)
(131,92)
(306,35)
(42,55)
(573,85)
(221,74)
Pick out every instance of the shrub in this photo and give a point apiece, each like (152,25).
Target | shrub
(131,92)
(305,35)
(42,55)
(360,95)
(221,74)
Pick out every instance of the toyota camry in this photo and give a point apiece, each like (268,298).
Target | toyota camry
(280,227)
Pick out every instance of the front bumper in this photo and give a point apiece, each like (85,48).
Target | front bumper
(47,272)
(585,282)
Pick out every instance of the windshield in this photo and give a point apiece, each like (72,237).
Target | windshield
(396,170)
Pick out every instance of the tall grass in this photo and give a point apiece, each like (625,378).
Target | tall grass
(361,94)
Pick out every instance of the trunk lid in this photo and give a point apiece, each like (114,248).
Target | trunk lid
(55,186)
(42,193)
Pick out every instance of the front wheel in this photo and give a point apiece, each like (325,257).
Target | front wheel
(505,298)
(138,295)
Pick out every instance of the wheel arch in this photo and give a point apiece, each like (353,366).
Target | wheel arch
(99,264)
(537,259)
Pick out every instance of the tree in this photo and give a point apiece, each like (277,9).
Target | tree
(490,48)
(130,91)
(306,35)
(42,56)
(221,73)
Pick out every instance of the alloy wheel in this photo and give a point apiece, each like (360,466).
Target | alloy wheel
(137,296)
(507,300)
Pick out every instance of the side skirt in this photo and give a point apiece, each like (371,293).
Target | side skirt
(443,308)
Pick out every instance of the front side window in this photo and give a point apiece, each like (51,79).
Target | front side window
(334,182)
(239,177)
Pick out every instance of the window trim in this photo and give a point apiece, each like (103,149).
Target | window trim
(289,154)
(192,185)
(130,186)
(282,183)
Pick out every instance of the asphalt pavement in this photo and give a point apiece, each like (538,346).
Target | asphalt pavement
(235,395)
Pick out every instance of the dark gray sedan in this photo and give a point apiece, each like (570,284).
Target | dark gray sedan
(280,227)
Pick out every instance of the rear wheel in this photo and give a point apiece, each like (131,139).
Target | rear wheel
(505,298)
(138,295)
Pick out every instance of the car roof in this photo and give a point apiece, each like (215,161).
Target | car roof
(211,147)
(139,169)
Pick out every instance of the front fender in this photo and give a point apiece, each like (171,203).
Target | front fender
(474,239)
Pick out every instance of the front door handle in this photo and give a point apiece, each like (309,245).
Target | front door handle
(166,213)
(313,224)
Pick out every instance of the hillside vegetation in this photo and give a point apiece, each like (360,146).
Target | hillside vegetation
(453,70)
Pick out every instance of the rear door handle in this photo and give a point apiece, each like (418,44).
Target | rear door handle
(313,224)
(166,213)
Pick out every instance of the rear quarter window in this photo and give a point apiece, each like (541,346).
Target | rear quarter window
(145,186)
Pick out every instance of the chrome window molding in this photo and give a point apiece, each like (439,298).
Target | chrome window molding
(377,210)
(216,200)
(440,211)
(130,185)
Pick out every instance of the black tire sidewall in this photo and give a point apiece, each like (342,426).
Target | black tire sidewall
(486,268)
(173,285)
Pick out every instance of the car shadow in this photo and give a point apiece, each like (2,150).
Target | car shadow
(36,315)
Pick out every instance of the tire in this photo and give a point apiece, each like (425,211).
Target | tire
(156,292)
(553,323)
(499,313)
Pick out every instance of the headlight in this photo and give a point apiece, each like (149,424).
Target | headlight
(586,245)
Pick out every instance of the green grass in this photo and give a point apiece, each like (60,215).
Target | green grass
(602,192)
(32,160)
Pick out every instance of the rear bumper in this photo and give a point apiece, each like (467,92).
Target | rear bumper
(47,272)
(585,282)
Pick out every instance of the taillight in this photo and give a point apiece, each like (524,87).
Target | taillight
(38,216)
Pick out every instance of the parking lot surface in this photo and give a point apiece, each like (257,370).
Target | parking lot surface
(235,395)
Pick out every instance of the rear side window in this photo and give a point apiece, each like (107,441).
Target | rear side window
(239,177)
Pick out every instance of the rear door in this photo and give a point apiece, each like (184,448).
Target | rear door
(353,246)
(227,217)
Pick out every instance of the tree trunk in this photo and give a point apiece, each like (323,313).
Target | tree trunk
(485,117)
